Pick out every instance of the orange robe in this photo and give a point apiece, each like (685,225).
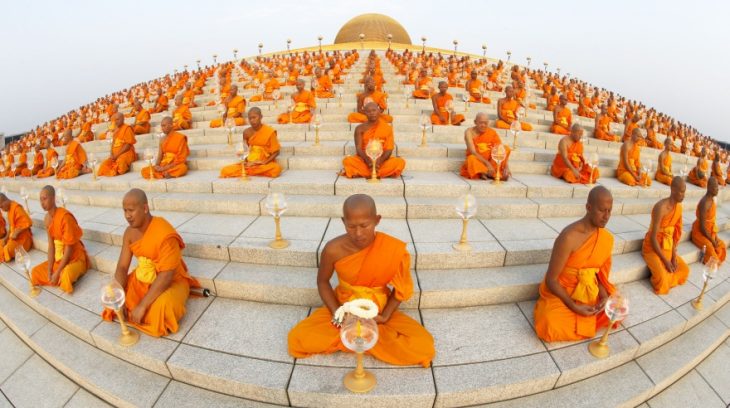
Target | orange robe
(17,219)
(585,108)
(603,131)
(37,165)
(85,134)
(474,87)
(142,122)
(262,144)
(378,97)
(235,105)
(48,170)
(109,167)
(717,174)
(564,120)
(509,113)
(63,231)
(666,167)
(670,230)
(73,162)
(695,178)
(174,150)
(441,101)
(355,166)
(556,322)
(473,168)
(182,118)
(161,104)
(718,251)
(634,161)
(302,112)
(629,129)
(423,88)
(159,250)
(324,87)
(561,170)
(367,274)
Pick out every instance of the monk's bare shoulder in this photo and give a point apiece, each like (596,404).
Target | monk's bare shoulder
(337,248)
(572,236)
(248,131)
(47,220)
(362,127)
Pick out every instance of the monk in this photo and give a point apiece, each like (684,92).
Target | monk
(630,125)
(562,118)
(360,165)
(171,155)
(474,87)
(234,105)
(263,147)
(67,259)
(629,163)
(19,234)
(36,166)
(368,264)
(141,120)
(75,161)
(303,103)
(660,243)
(161,103)
(569,163)
(443,107)
(577,285)
(182,118)
(700,173)
(122,150)
(717,172)
(480,140)
(323,87)
(159,286)
(602,127)
(507,111)
(268,90)
(704,229)
(664,173)
(424,86)
(51,157)
(370,94)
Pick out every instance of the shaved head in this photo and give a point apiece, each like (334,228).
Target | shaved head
(678,189)
(357,203)
(138,196)
(597,193)
(360,218)
(599,206)
(48,189)
(678,182)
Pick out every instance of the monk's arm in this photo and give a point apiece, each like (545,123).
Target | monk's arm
(469,139)
(383,157)
(558,259)
(358,146)
(124,149)
(67,252)
(700,173)
(159,155)
(161,283)
(563,150)
(360,99)
(324,274)
(704,206)
(125,259)
(390,306)
(436,108)
(656,218)
(51,247)
(555,115)
(499,111)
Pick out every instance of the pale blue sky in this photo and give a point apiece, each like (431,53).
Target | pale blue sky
(57,55)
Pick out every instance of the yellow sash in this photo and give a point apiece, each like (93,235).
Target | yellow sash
(586,291)
(563,121)
(58,246)
(575,158)
(667,237)
(257,153)
(231,111)
(378,295)
(118,143)
(146,271)
(483,147)
(300,107)
(167,158)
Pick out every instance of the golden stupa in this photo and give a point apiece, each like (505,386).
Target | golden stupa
(376,27)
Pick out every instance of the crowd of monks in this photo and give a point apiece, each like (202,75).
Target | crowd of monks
(368,264)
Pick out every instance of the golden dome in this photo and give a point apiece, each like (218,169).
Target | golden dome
(376,27)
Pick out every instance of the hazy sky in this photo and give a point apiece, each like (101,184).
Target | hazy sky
(58,55)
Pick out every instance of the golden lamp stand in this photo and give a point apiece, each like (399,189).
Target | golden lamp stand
(34,290)
(278,242)
(463,245)
(599,348)
(359,380)
(128,337)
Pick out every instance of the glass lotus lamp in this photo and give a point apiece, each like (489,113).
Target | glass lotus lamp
(61,197)
(230,125)
(242,152)
(276,206)
(617,308)
(276,95)
(515,129)
(289,107)
(22,261)
(339,92)
(13,167)
(24,194)
(92,162)
(466,207)
(499,154)
(54,164)
(465,98)
(374,150)
(113,297)
(709,270)
(221,108)
(359,335)
(449,106)
(316,124)
(407,95)
(425,123)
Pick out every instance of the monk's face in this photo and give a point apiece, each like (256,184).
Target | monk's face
(510,92)
(482,123)
(599,212)
(166,126)
(372,111)
(576,134)
(118,120)
(134,212)
(370,85)
(443,87)
(678,192)
(48,201)
(712,187)
(300,86)
(360,226)
(254,118)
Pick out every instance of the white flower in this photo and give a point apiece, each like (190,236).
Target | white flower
(362,308)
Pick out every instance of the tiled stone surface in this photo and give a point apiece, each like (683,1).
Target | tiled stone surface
(690,391)
(36,383)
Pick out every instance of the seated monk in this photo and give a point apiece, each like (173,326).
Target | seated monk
(562,117)
(700,173)
(74,163)
(161,104)
(171,156)
(630,125)
(602,127)
(303,103)
(370,94)
(480,140)
(443,107)
(424,86)
(577,285)
(360,164)
(122,150)
(36,166)
(507,111)
(20,234)
(324,87)
(704,229)
(664,173)
(85,133)
(474,87)
(182,118)
(569,163)
(263,148)
(629,164)
(660,243)
(160,284)
(51,156)
(717,172)
(67,259)
(141,119)
(368,264)
(234,105)
(268,93)
(585,106)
